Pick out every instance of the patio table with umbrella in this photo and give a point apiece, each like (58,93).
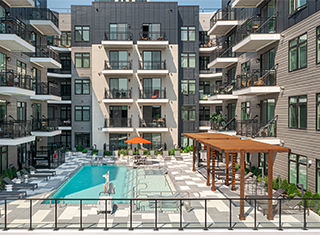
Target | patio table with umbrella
(138,140)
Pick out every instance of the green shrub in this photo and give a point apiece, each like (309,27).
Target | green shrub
(123,151)
(81,148)
(108,153)
(285,185)
(293,191)
(14,172)
(77,148)
(275,183)
(146,152)
(237,166)
(84,151)
(307,194)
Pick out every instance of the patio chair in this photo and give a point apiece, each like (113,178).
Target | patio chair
(21,185)
(251,182)
(141,153)
(155,94)
(43,171)
(14,194)
(278,193)
(100,154)
(290,205)
(130,153)
(74,151)
(88,153)
(152,155)
(166,155)
(36,175)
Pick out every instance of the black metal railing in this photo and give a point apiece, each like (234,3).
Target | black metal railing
(222,14)
(152,65)
(10,78)
(256,128)
(152,36)
(229,125)
(153,122)
(223,53)
(11,25)
(266,128)
(45,124)
(152,94)
(15,129)
(257,77)
(118,122)
(225,88)
(50,158)
(64,121)
(47,88)
(39,14)
(118,94)
(207,42)
(45,51)
(118,36)
(60,71)
(119,65)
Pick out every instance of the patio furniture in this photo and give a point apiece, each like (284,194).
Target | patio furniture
(262,187)
(21,185)
(279,193)
(74,151)
(88,153)
(152,154)
(166,155)
(42,171)
(41,176)
(130,153)
(293,204)
(100,155)
(177,155)
(15,194)
(140,153)
(251,183)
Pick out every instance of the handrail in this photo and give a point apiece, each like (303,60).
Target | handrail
(134,171)
(228,123)
(137,177)
(132,189)
(265,126)
(271,17)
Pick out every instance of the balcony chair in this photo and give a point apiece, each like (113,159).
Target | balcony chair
(156,94)
(160,38)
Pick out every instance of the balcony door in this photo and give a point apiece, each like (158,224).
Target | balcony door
(267,11)
(151,31)
(118,87)
(152,60)
(116,141)
(267,113)
(118,116)
(118,59)
(151,112)
(267,67)
(151,88)
(155,139)
(118,31)
(3,110)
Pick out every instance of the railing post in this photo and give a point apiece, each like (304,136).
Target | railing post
(106,216)
(255,215)
(230,215)
(56,215)
(180,228)
(280,224)
(30,228)
(205,215)
(81,228)
(305,215)
(131,228)
(156,215)
(5,216)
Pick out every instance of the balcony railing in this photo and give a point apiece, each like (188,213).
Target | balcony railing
(152,94)
(39,14)
(118,65)
(45,124)
(10,78)
(223,53)
(152,65)
(64,122)
(118,122)
(229,125)
(257,128)
(153,122)
(257,77)
(222,14)
(15,129)
(118,36)
(152,36)
(118,94)
(60,71)
(45,51)
(11,25)
(225,88)
(47,88)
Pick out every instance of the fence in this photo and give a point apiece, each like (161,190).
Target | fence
(11,78)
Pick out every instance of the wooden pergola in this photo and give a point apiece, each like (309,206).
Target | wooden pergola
(235,146)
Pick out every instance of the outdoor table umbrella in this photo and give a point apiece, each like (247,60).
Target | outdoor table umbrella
(138,140)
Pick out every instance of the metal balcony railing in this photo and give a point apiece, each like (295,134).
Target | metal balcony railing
(118,122)
(153,122)
(223,53)
(60,71)
(15,129)
(64,121)
(45,51)
(11,25)
(118,94)
(45,124)
(119,65)
(118,36)
(152,65)
(47,88)
(225,88)
(152,36)
(152,94)
(10,78)
(256,128)
(222,14)
(39,14)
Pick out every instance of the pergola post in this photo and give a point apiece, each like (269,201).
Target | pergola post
(234,172)
(227,168)
(242,164)
(194,156)
(208,165)
(214,154)
(270,176)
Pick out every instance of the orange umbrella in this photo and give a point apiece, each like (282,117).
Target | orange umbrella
(137,140)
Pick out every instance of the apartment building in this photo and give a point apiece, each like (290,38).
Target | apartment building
(269,56)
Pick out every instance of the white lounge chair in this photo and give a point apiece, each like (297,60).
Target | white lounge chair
(166,155)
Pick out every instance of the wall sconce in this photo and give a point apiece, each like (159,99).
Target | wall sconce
(32,105)
(8,103)
(32,69)
(129,54)
(129,79)
(309,163)
(8,58)
(99,47)
(258,60)
(129,107)
(258,105)
(99,74)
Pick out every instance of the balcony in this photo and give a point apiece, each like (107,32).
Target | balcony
(118,40)
(19,3)
(246,3)
(15,132)
(152,96)
(14,36)
(228,126)
(210,73)
(204,99)
(222,22)
(44,20)
(153,125)
(204,125)
(118,125)
(45,127)
(64,124)
(118,68)
(118,96)
(45,57)
(223,58)
(14,84)
(224,92)
(257,82)
(47,91)
(207,46)
(256,33)
(152,40)
(152,68)
(59,73)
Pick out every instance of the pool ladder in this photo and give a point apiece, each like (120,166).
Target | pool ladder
(134,187)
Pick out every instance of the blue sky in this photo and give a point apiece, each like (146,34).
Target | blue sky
(61,5)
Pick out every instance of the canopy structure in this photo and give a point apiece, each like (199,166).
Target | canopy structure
(137,140)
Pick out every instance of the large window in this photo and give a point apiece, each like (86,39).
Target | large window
(66,89)
(4,158)
(151,32)
(318,111)
(65,115)
(118,60)
(66,39)
(204,113)
(155,139)
(3,61)
(116,141)
(188,60)
(21,67)
(82,60)
(298,170)
(204,90)
(188,113)
(82,139)
(65,138)
(294,5)
(82,86)
(298,53)
(152,60)
(82,113)
(21,111)
(203,62)
(318,175)
(65,63)
(298,112)
(245,110)
(82,33)
(188,87)
(318,45)
(118,32)
(188,33)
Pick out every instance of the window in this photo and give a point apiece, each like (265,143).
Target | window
(152,60)
(185,141)
(119,32)
(298,53)
(204,39)
(65,115)
(245,67)
(3,61)
(204,113)
(82,60)
(22,155)
(318,45)
(65,138)
(66,89)
(203,62)
(188,33)
(151,32)
(82,113)
(21,67)
(4,158)
(3,110)
(245,110)
(21,111)
(152,88)
(82,86)
(298,112)
(66,39)
(318,111)
(204,90)
(116,141)
(82,139)
(188,113)
(294,5)
(298,170)
(188,60)
(231,75)
(82,33)
(188,87)
(119,60)
(318,176)
(263,162)
(65,62)
(247,161)
(155,139)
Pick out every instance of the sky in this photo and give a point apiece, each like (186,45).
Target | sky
(62,5)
